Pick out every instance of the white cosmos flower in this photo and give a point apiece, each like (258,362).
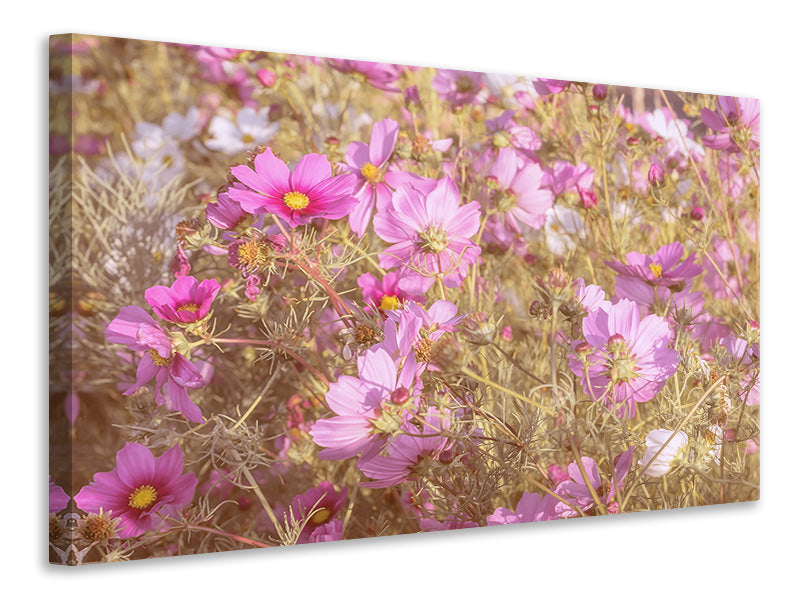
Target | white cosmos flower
(657,440)
(252,128)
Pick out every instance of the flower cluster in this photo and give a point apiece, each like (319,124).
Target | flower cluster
(328,299)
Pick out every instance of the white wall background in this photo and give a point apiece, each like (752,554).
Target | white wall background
(729,47)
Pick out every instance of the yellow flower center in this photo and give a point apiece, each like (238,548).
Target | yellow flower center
(433,239)
(389,302)
(142,497)
(189,306)
(248,139)
(463,83)
(321,515)
(371,173)
(655,268)
(159,360)
(295,200)
(253,254)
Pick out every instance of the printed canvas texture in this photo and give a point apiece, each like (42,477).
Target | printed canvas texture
(296,299)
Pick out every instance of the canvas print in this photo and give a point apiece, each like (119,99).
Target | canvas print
(297,299)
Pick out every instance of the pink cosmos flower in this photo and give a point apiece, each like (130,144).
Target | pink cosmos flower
(385,294)
(531,507)
(429,234)
(458,87)
(629,359)
(737,122)
(409,333)
(368,408)
(379,75)
(375,181)
(185,301)
(577,492)
(746,357)
(504,132)
(406,451)
(545,87)
(296,196)
(726,256)
(518,192)
(137,330)
(646,276)
(562,176)
(226,213)
(58,497)
(320,504)
(140,490)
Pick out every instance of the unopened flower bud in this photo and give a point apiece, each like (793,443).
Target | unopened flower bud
(332,140)
(655,175)
(588,198)
(633,141)
(399,397)
(698,214)
(266,77)
(600,91)
(615,341)
(446,456)
(583,348)
(411,98)
(594,110)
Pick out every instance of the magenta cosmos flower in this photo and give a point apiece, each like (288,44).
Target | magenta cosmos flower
(58,497)
(140,490)
(374,181)
(369,408)
(185,301)
(429,233)
(517,191)
(737,123)
(319,505)
(647,277)
(628,359)
(578,493)
(407,451)
(385,293)
(173,373)
(296,196)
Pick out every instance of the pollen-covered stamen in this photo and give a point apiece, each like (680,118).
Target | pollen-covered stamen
(188,307)
(464,83)
(434,239)
(142,497)
(371,173)
(248,139)
(254,254)
(295,200)
(389,302)
(655,269)
(505,200)
(159,360)
(420,145)
(321,515)
(422,350)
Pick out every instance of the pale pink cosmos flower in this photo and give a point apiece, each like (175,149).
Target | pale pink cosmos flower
(576,491)
(319,505)
(737,123)
(375,181)
(296,196)
(518,191)
(430,234)
(662,447)
(458,87)
(226,213)
(173,373)
(629,359)
(141,490)
(562,176)
(408,450)
(369,408)
(379,75)
(250,129)
(644,276)
(546,87)
(185,301)
(409,334)
(731,262)
(504,132)
(745,357)
(531,507)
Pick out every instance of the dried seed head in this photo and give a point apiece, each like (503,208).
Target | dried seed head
(99,527)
